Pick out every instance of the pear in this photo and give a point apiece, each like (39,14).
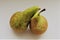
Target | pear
(19,20)
(38,23)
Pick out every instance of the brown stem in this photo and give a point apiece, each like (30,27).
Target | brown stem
(42,11)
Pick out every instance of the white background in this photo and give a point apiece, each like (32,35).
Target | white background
(52,14)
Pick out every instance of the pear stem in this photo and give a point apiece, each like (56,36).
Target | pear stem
(42,11)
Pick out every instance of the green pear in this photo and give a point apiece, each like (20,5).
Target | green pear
(38,23)
(20,20)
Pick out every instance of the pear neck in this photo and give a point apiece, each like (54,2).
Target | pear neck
(38,13)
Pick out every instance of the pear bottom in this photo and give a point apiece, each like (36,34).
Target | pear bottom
(15,23)
(39,26)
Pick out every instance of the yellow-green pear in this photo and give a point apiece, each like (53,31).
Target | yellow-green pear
(38,23)
(19,20)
